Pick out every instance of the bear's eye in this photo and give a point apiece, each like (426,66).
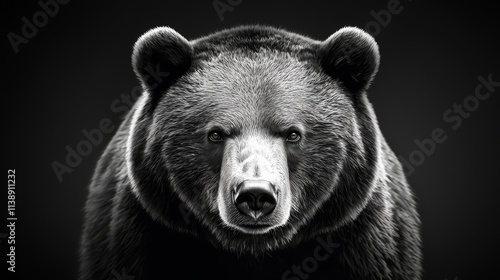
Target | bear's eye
(215,137)
(293,137)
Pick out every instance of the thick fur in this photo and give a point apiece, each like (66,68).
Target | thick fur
(345,182)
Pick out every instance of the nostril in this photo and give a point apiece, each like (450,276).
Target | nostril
(246,198)
(255,198)
(262,199)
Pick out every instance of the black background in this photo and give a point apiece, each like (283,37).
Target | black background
(67,76)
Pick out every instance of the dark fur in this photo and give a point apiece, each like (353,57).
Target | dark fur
(346,182)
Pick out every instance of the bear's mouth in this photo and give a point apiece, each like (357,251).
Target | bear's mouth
(254,228)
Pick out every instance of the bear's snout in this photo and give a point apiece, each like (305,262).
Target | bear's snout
(254,194)
(255,198)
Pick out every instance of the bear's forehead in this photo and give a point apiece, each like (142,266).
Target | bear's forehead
(264,75)
(262,88)
(265,85)
(257,63)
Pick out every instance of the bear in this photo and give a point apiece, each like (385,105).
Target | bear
(252,153)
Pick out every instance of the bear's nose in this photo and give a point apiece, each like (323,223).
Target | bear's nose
(255,198)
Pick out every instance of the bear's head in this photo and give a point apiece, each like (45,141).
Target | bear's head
(253,137)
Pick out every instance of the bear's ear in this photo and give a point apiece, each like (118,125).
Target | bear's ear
(350,55)
(161,56)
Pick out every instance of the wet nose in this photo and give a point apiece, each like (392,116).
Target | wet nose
(255,198)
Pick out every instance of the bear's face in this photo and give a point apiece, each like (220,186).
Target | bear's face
(259,145)
(252,140)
